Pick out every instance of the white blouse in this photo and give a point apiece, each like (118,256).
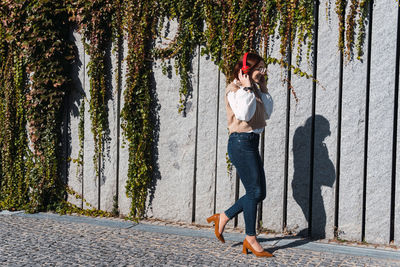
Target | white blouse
(243,104)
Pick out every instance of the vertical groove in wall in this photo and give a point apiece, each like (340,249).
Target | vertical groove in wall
(314,86)
(98,182)
(260,205)
(262,149)
(83,150)
(237,185)
(196,137)
(83,153)
(83,99)
(364,198)
(83,164)
(286,170)
(394,143)
(216,146)
(66,134)
(119,85)
(99,176)
(339,141)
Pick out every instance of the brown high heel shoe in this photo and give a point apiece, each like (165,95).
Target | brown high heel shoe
(215,218)
(246,246)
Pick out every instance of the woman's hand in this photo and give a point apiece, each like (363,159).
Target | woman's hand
(244,79)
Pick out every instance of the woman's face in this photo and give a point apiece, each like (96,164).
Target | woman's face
(259,72)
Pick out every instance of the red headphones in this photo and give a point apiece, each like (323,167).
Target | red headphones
(245,68)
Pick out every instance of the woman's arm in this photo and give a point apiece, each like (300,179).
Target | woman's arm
(243,104)
(268,104)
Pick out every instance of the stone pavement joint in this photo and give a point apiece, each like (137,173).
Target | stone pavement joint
(61,240)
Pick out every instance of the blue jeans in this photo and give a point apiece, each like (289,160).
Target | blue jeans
(244,155)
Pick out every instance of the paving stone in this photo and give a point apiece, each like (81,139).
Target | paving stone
(35,241)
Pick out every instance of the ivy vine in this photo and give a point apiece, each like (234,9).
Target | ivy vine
(14,185)
(39,32)
(95,21)
(140,24)
(183,48)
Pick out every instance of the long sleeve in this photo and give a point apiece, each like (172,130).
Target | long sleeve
(243,104)
(268,104)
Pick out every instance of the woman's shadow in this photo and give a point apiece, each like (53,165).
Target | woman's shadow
(324,173)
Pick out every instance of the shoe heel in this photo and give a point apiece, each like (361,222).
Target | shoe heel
(244,250)
(210,219)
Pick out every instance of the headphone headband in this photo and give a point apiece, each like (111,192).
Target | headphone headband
(245,68)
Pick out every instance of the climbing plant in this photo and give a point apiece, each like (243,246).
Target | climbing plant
(38,30)
(189,16)
(95,21)
(361,22)
(140,24)
(14,184)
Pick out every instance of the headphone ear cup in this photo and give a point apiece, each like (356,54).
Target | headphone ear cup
(245,68)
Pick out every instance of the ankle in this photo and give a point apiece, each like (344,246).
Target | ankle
(224,217)
(251,239)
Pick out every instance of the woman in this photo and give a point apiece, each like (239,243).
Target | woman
(247,105)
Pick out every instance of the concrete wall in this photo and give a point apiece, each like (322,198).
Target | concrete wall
(192,182)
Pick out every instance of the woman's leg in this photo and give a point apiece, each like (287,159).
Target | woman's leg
(252,239)
(243,152)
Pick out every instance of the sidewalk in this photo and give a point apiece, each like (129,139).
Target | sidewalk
(48,239)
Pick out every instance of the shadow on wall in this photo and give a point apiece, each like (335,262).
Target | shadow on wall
(324,173)
(71,105)
(155,119)
(106,149)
